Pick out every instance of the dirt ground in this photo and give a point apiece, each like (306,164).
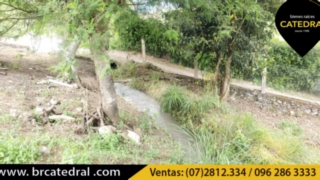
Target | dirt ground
(19,93)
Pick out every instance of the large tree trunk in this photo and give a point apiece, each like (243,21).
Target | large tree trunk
(108,96)
(224,92)
(70,56)
(216,73)
(100,44)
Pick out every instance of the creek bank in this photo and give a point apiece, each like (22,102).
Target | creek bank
(147,104)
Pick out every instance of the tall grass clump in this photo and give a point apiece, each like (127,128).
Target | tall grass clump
(290,127)
(175,100)
(238,139)
(195,108)
(137,84)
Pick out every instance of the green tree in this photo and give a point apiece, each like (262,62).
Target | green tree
(80,22)
(232,30)
(17,16)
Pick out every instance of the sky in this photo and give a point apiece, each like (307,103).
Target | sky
(152,9)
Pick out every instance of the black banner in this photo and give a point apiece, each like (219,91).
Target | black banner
(80,171)
(298,22)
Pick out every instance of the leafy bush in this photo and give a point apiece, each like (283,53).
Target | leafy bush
(130,28)
(292,71)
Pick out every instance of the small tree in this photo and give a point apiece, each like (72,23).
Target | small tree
(81,22)
(232,30)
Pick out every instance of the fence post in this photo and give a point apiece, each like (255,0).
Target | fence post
(264,79)
(195,68)
(143,48)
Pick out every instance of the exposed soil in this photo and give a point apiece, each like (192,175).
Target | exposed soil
(19,91)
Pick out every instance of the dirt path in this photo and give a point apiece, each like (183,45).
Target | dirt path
(168,67)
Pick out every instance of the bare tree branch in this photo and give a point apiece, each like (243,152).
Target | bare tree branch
(17,8)
(14,23)
(20,18)
(31,5)
(8,10)
(233,41)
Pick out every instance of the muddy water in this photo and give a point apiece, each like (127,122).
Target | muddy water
(147,104)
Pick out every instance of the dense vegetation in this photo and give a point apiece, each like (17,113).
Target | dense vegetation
(130,28)
(290,70)
(187,36)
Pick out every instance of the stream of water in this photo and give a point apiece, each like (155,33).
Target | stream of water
(147,104)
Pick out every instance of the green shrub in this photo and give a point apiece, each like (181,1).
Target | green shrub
(160,39)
